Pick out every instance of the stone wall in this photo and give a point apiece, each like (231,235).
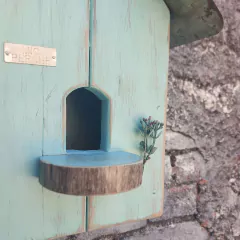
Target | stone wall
(202,173)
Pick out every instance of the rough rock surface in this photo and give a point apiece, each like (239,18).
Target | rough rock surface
(179,201)
(202,179)
(180,231)
(204,104)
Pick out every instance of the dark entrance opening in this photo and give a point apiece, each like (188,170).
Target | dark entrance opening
(84,114)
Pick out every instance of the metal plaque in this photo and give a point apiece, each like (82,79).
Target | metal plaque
(25,54)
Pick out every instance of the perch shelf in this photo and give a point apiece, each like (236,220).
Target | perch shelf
(86,173)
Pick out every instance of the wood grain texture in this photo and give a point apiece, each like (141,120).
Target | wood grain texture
(56,173)
(30,101)
(70,38)
(67,31)
(130,62)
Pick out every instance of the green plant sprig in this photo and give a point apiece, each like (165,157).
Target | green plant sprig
(150,130)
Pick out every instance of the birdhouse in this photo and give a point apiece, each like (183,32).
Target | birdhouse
(78,82)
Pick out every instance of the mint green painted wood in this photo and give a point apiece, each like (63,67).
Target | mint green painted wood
(92,159)
(68,32)
(32,115)
(130,64)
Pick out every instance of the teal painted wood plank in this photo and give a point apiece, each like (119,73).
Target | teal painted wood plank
(20,129)
(68,32)
(21,144)
(130,47)
(32,114)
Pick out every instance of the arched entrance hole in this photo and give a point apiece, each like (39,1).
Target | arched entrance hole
(87,120)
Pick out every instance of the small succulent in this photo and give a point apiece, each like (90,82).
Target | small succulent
(150,131)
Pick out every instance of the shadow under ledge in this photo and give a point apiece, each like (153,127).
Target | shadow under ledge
(87,173)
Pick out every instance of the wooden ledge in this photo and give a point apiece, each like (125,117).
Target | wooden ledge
(86,173)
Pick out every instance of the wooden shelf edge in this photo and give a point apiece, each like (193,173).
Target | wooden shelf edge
(91,181)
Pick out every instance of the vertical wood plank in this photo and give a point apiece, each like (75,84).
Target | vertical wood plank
(68,31)
(20,127)
(130,63)
(31,115)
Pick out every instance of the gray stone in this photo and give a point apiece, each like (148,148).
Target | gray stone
(203,103)
(179,201)
(168,171)
(188,168)
(181,231)
(236,227)
(219,206)
(178,141)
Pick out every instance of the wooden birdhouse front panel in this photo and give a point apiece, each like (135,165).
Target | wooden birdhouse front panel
(74,105)
(130,51)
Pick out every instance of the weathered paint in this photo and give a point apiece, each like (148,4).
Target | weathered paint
(130,47)
(31,118)
(128,66)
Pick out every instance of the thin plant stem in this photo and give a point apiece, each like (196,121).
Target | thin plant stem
(149,131)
